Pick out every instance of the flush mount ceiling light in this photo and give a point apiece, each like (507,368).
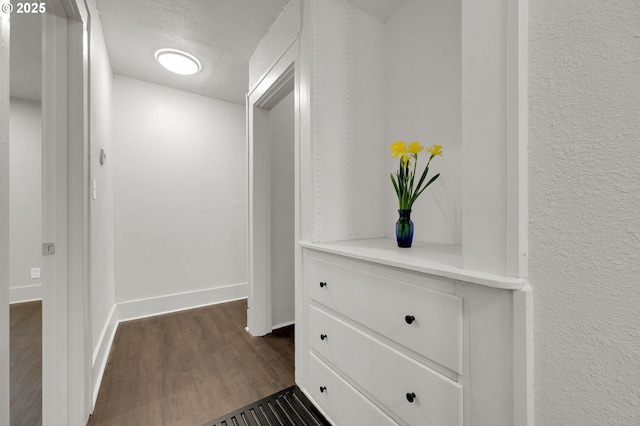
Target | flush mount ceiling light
(177,61)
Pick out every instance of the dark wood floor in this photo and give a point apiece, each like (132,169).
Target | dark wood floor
(190,367)
(26,363)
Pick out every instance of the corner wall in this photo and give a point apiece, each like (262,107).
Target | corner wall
(584,105)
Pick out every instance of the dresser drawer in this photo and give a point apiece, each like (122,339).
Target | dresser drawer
(388,375)
(426,321)
(346,405)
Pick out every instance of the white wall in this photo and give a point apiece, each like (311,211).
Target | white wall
(280,36)
(348,151)
(25,199)
(422,97)
(282,212)
(375,83)
(180,190)
(103,286)
(584,104)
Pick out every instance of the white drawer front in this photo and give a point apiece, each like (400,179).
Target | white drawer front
(382,304)
(386,374)
(342,403)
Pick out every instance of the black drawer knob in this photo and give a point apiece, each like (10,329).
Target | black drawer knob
(323,388)
(323,337)
(409,319)
(411,396)
(323,284)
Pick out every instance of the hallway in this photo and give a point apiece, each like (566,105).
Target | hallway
(517,302)
(189,367)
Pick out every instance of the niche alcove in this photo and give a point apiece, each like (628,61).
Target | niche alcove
(451,314)
(420,75)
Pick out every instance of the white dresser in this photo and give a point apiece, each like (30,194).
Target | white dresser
(387,345)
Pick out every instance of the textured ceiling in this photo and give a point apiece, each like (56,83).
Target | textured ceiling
(26,57)
(222,34)
(381,9)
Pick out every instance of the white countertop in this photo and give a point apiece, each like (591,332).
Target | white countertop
(443,260)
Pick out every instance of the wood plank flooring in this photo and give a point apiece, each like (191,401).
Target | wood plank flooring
(26,363)
(190,367)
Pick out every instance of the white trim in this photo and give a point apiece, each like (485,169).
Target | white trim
(55,392)
(494,131)
(377,250)
(299,183)
(523,395)
(26,293)
(517,138)
(142,308)
(107,330)
(101,353)
(266,81)
(4,219)
(303,183)
(66,337)
(272,87)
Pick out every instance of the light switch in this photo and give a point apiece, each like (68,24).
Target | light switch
(94,189)
(35,273)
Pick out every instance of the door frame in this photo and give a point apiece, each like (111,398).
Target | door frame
(66,335)
(5,393)
(66,332)
(271,89)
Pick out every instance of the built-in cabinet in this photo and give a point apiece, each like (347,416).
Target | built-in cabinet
(438,334)
(384,336)
(404,343)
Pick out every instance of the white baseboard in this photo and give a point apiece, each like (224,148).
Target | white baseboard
(27,293)
(101,352)
(126,311)
(136,309)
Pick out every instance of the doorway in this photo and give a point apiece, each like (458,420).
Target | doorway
(65,355)
(25,219)
(282,202)
(273,250)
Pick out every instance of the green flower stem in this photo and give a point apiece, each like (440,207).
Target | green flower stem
(404,179)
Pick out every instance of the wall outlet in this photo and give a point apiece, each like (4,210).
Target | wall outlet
(35,273)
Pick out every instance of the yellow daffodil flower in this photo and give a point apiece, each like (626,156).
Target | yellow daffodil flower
(408,182)
(415,147)
(435,150)
(398,149)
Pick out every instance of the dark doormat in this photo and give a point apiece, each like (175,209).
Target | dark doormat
(289,407)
